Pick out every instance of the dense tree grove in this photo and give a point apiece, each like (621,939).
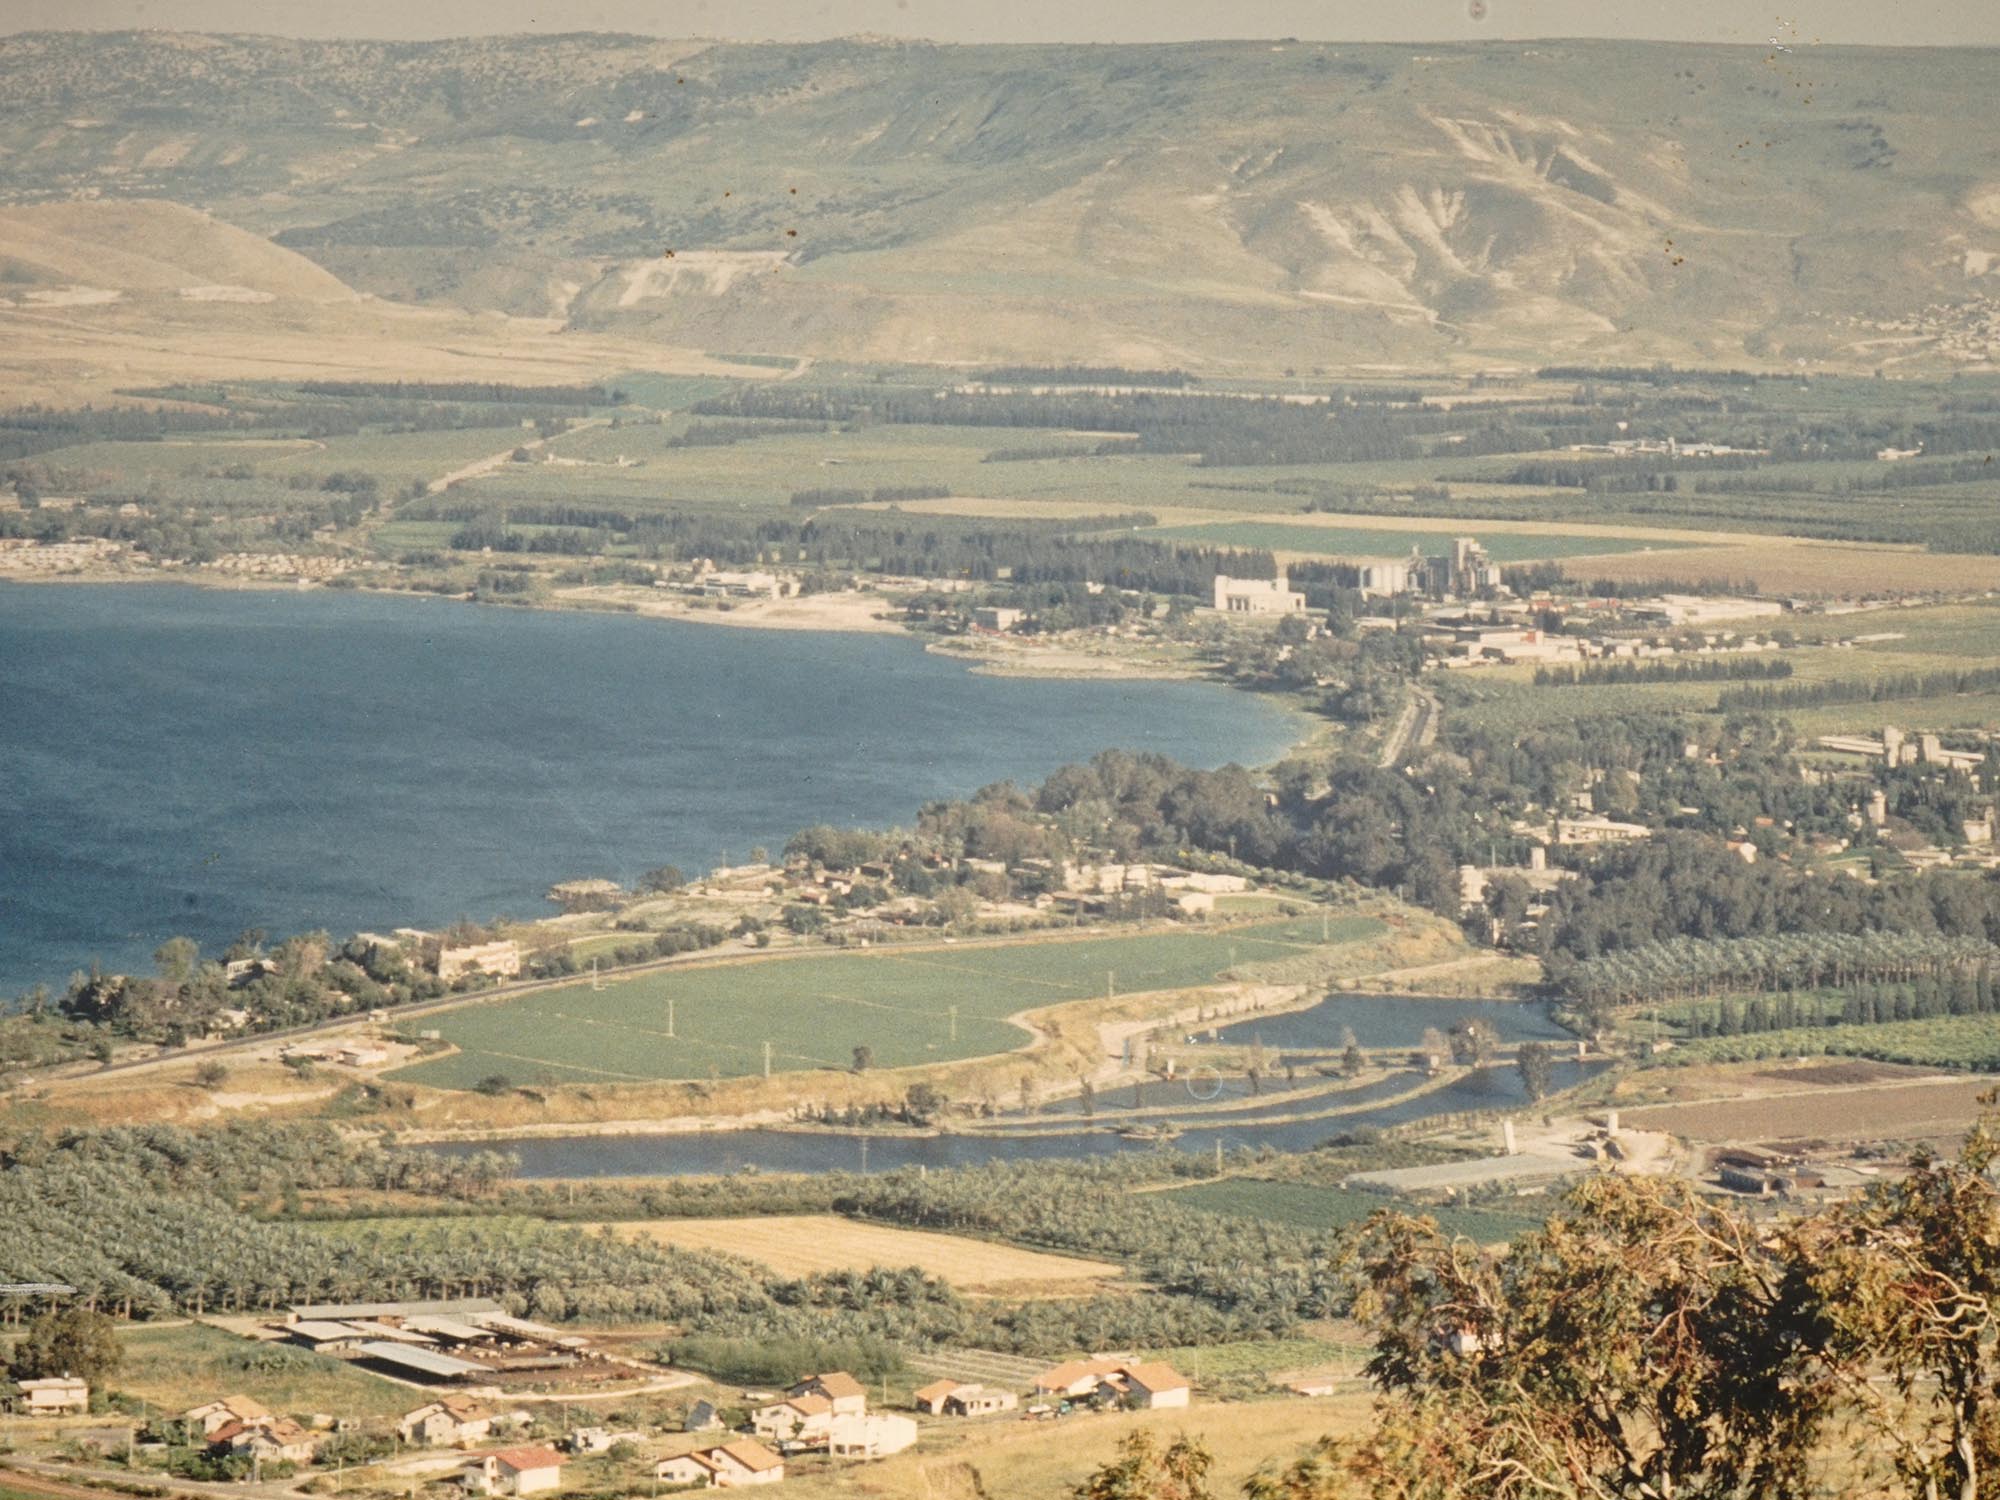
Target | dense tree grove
(1682,967)
(578,397)
(1224,431)
(1861,690)
(1021,552)
(1703,669)
(1649,1343)
(1685,886)
(148,1221)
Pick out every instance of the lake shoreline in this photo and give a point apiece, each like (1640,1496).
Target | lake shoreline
(1201,737)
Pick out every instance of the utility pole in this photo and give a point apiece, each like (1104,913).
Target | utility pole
(767,1059)
(864,1155)
(1110,983)
(670,1015)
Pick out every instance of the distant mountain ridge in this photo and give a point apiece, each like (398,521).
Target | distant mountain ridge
(1223,205)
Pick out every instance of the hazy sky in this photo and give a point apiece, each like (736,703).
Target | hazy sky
(1900,22)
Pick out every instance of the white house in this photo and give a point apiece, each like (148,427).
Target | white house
(52,1396)
(979,1401)
(846,1395)
(212,1416)
(725,1466)
(1154,1386)
(448,1420)
(870,1435)
(931,1398)
(272,1439)
(1150,1385)
(1074,1377)
(803,1418)
(515,1471)
(500,959)
(960,1398)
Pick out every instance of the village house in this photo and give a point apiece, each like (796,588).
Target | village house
(804,1419)
(450,1420)
(931,1398)
(272,1440)
(958,1398)
(514,1471)
(702,1417)
(211,1416)
(1146,1385)
(723,1467)
(501,960)
(871,1435)
(979,1401)
(1073,1378)
(842,1391)
(51,1396)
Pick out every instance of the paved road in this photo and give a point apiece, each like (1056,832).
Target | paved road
(1415,727)
(493,461)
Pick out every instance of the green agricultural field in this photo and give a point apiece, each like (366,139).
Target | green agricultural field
(1310,1206)
(815,1010)
(1358,541)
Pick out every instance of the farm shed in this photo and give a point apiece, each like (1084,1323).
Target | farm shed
(424,1364)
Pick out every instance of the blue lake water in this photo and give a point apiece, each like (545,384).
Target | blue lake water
(1391,1021)
(697,1153)
(178,760)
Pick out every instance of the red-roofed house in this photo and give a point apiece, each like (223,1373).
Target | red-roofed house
(1075,1377)
(1152,1386)
(272,1440)
(1139,1383)
(723,1467)
(448,1420)
(802,1418)
(848,1396)
(514,1471)
(931,1398)
(211,1415)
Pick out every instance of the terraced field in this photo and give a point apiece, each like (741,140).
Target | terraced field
(935,1004)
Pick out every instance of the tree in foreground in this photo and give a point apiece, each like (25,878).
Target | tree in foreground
(1910,1277)
(1145,1471)
(1644,1344)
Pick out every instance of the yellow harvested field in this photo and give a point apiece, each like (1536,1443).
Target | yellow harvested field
(804,1244)
(1780,565)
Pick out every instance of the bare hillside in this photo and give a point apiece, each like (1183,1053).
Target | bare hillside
(1216,204)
